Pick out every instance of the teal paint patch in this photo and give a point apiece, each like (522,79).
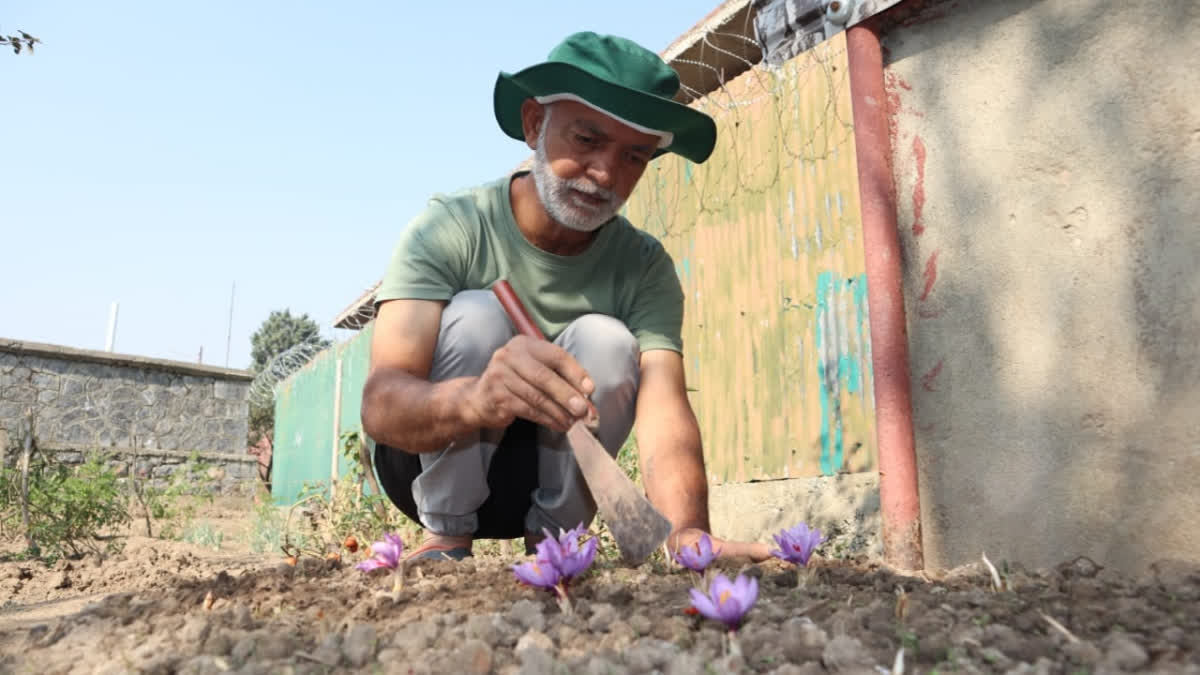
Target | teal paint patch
(849,362)
(840,309)
(687,172)
(860,328)
(687,268)
(828,399)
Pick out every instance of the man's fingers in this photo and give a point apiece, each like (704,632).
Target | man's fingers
(537,407)
(563,364)
(545,377)
(754,550)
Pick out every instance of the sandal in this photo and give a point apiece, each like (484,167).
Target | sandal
(439,552)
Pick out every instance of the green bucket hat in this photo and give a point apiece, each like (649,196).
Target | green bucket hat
(617,77)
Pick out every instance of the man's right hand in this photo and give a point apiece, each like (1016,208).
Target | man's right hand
(531,379)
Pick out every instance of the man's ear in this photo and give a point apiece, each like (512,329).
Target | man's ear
(533,114)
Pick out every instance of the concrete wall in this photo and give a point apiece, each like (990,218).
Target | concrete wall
(88,400)
(1047,160)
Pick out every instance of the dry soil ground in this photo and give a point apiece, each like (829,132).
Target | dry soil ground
(166,607)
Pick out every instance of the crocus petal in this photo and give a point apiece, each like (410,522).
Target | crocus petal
(727,601)
(396,542)
(746,590)
(368,565)
(796,544)
(719,585)
(704,604)
(550,553)
(588,553)
(535,574)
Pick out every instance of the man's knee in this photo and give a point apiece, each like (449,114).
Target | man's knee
(473,327)
(606,349)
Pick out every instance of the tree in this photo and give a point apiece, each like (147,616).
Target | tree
(282,343)
(280,332)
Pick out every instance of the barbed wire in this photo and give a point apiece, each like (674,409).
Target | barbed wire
(808,130)
(282,365)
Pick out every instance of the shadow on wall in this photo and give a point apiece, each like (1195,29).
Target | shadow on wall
(1048,180)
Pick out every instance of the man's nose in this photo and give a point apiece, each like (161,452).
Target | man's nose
(600,170)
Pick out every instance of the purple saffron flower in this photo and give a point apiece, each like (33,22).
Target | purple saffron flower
(566,554)
(726,601)
(387,554)
(696,557)
(538,574)
(797,544)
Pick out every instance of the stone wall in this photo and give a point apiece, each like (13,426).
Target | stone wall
(149,415)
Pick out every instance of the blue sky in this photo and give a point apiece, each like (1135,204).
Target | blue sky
(155,153)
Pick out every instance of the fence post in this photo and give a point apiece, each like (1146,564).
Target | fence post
(337,428)
(26,451)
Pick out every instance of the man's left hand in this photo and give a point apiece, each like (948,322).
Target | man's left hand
(756,551)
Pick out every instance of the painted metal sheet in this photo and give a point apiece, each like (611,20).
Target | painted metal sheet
(304,414)
(767,241)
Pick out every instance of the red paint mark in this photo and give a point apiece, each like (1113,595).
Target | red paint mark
(930,274)
(928,378)
(891,88)
(918,197)
(691,611)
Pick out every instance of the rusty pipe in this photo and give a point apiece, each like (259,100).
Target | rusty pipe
(899,499)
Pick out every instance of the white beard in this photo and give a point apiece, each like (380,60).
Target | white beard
(559,196)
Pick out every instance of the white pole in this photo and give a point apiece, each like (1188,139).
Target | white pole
(112,328)
(229,335)
(337,427)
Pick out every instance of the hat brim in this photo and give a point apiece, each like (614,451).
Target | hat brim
(694,133)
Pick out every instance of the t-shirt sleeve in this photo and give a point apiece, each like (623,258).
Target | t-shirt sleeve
(656,317)
(430,260)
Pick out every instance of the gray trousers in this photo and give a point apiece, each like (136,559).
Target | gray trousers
(453,482)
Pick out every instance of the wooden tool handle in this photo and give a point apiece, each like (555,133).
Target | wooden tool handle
(516,310)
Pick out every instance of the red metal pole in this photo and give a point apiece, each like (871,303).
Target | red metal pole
(899,500)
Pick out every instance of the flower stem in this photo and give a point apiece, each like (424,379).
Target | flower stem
(564,602)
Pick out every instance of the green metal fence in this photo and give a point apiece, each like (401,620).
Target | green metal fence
(306,404)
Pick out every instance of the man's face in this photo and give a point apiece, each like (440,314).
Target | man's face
(586,164)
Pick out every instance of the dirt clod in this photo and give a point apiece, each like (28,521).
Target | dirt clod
(1124,654)
(359,645)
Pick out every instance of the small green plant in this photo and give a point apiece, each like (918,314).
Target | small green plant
(320,522)
(909,640)
(173,506)
(267,531)
(203,534)
(628,460)
(72,510)
(325,517)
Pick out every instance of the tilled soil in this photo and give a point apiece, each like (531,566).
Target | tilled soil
(182,615)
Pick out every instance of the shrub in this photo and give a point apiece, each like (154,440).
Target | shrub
(70,509)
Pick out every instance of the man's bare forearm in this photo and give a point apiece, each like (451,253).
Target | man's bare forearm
(673,470)
(412,414)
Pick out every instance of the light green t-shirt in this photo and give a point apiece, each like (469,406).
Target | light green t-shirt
(469,239)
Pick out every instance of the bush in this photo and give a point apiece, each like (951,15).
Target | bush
(69,508)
